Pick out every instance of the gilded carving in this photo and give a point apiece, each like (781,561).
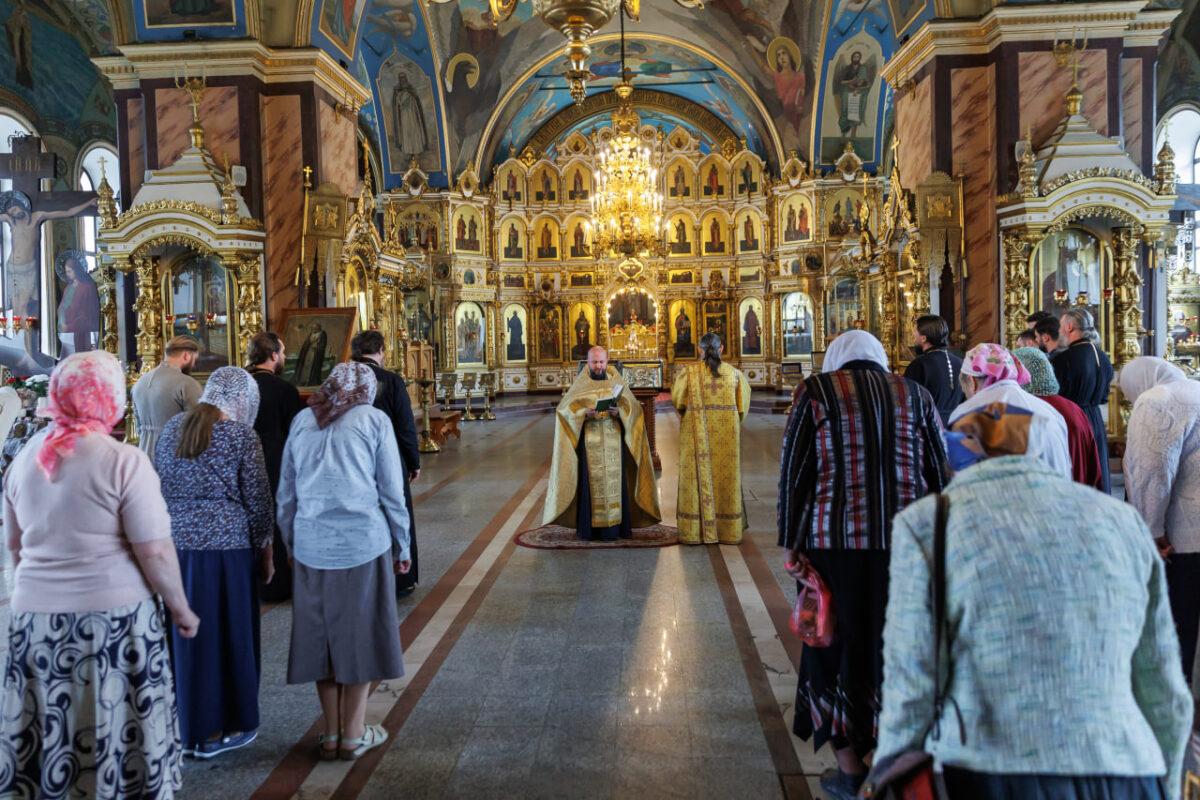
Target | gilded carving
(1017,248)
(149,309)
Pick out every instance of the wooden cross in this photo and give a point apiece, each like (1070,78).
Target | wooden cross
(27,166)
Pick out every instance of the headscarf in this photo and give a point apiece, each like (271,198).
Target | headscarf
(1144,373)
(994,363)
(232,390)
(86,395)
(350,384)
(1042,380)
(854,345)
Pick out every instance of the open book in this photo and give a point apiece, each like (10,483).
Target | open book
(605,403)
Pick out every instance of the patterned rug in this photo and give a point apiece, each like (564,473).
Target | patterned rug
(556,537)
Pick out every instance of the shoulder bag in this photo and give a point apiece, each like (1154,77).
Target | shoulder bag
(910,775)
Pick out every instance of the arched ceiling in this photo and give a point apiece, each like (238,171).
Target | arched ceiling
(661,65)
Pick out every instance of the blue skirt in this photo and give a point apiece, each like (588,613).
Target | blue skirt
(984,786)
(217,673)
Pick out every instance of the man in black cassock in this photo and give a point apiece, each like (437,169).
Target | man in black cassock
(391,397)
(279,403)
(1085,375)
(935,367)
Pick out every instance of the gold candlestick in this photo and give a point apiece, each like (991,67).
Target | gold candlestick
(488,383)
(131,431)
(468,384)
(425,442)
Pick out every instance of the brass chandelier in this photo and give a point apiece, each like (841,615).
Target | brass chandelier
(626,204)
(577,20)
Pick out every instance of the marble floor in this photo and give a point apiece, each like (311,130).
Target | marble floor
(534,673)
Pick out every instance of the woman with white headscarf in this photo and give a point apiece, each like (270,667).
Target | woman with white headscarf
(88,703)
(344,520)
(861,444)
(1162,479)
(214,479)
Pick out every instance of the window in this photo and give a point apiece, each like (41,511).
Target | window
(96,161)
(1182,125)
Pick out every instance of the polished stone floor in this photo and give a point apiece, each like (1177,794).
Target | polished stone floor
(532,673)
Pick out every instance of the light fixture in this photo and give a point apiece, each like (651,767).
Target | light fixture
(577,20)
(626,204)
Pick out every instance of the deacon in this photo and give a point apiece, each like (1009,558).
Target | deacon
(601,479)
(1085,376)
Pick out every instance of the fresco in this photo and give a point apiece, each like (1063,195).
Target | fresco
(656,65)
(408,98)
(738,32)
(47,68)
(1178,67)
(850,108)
(392,43)
(187,13)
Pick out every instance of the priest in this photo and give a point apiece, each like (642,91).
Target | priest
(601,479)
(1085,376)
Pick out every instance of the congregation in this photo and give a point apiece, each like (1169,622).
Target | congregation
(993,603)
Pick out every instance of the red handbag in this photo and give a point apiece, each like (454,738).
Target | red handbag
(812,618)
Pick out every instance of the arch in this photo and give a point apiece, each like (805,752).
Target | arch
(713,177)
(679,178)
(1181,124)
(768,127)
(470,334)
(515,333)
(577,180)
(797,315)
(746,174)
(513,236)
(748,231)
(545,183)
(681,233)
(577,235)
(511,182)
(547,238)
(720,244)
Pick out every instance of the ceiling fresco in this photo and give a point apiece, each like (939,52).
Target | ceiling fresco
(656,65)
(53,74)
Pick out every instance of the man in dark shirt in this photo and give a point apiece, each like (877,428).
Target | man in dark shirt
(279,402)
(935,367)
(1047,333)
(391,397)
(1085,376)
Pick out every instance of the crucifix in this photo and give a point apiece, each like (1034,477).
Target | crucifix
(25,207)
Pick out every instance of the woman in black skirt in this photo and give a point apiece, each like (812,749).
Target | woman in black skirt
(861,444)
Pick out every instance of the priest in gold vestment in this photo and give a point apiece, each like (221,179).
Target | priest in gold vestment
(713,399)
(601,478)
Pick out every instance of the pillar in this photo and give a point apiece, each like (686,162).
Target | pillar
(1016,285)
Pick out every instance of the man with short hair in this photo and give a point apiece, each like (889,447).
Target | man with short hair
(165,391)
(279,403)
(392,398)
(1047,333)
(935,367)
(1085,375)
(601,478)
(1033,319)
(1027,339)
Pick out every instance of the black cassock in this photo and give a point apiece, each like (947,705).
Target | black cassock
(1084,376)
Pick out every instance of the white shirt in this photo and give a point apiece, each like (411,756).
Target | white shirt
(1047,431)
(1162,462)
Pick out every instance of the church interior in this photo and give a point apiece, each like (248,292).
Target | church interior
(500,187)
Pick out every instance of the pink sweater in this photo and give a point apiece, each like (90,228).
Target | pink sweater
(74,533)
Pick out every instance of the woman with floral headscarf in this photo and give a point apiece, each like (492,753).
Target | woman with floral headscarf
(1000,418)
(215,483)
(344,520)
(88,661)
(1162,479)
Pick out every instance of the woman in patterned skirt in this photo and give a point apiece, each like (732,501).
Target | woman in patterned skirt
(215,483)
(88,705)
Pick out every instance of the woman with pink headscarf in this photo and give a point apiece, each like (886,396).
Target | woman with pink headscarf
(1000,418)
(90,538)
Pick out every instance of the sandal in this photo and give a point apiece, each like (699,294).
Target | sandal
(328,753)
(354,749)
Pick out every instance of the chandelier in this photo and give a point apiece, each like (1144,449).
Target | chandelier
(577,20)
(626,204)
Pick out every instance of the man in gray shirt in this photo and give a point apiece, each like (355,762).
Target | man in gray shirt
(165,391)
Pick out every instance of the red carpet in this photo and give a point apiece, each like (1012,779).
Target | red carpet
(556,537)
